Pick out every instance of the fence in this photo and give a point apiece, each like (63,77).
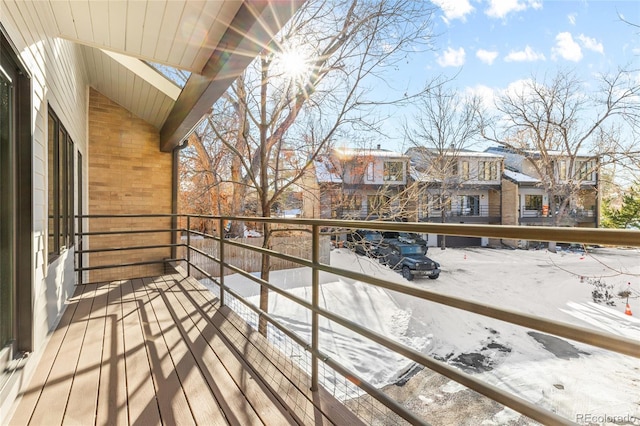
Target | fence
(249,261)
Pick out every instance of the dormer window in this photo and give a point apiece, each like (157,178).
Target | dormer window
(393,171)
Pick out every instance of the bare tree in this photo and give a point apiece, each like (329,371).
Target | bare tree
(565,133)
(347,47)
(445,125)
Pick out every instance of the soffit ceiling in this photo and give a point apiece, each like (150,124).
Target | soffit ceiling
(214,40)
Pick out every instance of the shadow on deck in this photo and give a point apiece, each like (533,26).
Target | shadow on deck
(162,351)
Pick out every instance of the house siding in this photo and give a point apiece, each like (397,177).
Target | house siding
(128,174)
(58,80)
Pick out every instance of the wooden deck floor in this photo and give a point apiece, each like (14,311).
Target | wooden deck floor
(160,351)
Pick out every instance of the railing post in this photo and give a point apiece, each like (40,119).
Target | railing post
(188,245)
(221,257)
(315,298)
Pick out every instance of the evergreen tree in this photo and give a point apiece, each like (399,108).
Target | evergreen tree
(628,215)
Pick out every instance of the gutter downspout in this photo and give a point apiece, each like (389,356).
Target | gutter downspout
(174,194)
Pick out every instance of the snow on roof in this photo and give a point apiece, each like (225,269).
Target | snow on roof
(416,153)
(499,150)
(354,152)
(419,176)
(520,177)
(325,171)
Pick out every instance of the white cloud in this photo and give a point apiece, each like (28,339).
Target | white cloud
(452,58)
(487,56)
(566,48)
(486,94)
(572,18)
(501,8)
(526,55)
(591,43)
(454,9)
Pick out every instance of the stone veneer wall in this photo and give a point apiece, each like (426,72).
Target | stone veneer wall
(128,174)
(510,195)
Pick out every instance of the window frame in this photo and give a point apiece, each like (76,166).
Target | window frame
(61,194)
(387,171)
(465,170)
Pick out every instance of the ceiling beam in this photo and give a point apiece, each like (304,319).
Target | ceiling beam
(251,30)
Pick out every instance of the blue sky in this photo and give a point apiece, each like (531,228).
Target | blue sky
(497,44)
(491,44)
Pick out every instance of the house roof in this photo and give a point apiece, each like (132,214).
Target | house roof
(417,152)
(214,40)
(520,178)
(367,152)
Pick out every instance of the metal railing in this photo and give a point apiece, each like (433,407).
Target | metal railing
(606,341)
(479,211)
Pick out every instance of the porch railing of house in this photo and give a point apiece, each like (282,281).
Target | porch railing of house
(480,211)
(183,235)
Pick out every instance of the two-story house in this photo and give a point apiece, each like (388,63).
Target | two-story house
(551,189)
(455,186)
(353,183)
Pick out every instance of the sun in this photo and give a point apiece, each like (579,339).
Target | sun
(294,64)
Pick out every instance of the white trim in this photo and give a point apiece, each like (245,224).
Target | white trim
(146,73)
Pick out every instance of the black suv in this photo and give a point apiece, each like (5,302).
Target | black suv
(408,258)
(405,237)
(364,241)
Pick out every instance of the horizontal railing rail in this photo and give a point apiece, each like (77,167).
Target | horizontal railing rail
(602,340)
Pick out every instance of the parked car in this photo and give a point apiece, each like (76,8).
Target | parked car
(364,241)
(409,259)
(405,237)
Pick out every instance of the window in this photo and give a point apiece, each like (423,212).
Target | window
(7,214)
(469,205)
(465,170)
(393,171)
(487,170)
(61,189)
(562,170)
(352,202)
(533,202)
(584,170)
(16,204)
(370,175)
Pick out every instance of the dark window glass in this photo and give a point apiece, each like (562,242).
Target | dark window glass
(61,187)
(6,203)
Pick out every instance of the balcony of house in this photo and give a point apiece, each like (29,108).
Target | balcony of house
(571,217)
(478,214)
(195,334)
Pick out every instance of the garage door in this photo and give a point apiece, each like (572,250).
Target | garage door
(455,241)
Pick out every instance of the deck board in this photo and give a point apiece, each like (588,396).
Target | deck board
(205,408)
(31,393)
(83,397)
(52,402)
(160,351)
(262,402)
(141,392)
(112,398)
(172,401)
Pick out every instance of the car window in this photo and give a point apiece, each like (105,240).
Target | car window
(412,250)
(373,237)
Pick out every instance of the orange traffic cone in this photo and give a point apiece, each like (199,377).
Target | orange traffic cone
(627,310)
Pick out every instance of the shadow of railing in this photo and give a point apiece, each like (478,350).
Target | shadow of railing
(318,354)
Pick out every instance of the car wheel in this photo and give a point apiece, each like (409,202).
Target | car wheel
(406,273)
(434,277)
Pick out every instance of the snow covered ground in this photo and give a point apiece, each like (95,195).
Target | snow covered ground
(582,383)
